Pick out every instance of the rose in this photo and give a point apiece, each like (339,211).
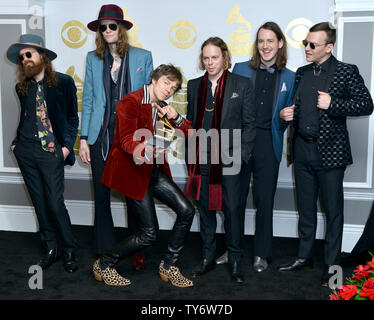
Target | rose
(335,296)
(361,271)
(371,263)
(348,291)
(367,289)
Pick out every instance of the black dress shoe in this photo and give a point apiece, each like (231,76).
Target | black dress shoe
(325,277)
(49,258)
(70,262)
(236,274)
(298,265)
(204,267)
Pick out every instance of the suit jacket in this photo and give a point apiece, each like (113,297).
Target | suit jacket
(94,98)
(62,111)
(282,98)
(121,172)
(349,98)
(237,110)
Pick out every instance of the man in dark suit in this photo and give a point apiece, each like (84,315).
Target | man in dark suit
(273,84)
(44,143)
(326,92)
(219,103)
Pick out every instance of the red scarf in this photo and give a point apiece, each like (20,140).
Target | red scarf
(215,170)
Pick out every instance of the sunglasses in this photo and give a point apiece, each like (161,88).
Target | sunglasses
(112,26)
(312,44)
(28,55)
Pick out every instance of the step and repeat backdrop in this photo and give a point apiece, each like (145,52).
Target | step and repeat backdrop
(174,31)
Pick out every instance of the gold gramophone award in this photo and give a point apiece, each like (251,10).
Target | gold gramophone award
(164,134)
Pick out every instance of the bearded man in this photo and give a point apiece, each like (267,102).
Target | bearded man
(44,143)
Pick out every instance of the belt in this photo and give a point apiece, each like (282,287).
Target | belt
(308,139)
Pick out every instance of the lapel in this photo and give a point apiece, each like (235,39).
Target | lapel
(132,67)
(146,114)
(226,98)
(331,73)
(51,94)
(195,94)
(279,79)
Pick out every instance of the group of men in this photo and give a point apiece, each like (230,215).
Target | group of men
(255,103)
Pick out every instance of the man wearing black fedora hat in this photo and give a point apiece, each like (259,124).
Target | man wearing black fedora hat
(44,143)
(113,70)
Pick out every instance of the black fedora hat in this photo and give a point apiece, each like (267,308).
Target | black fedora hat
(109,12)
(28,41)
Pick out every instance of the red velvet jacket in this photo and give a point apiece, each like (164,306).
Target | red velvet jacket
(121,172)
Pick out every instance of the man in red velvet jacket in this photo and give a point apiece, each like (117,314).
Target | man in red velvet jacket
(133,169)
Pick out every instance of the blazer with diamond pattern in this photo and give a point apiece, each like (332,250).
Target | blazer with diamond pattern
(349,98)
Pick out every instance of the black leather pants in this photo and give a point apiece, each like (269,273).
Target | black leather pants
(165,190)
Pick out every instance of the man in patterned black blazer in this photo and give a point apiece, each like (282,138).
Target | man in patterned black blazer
(326,92)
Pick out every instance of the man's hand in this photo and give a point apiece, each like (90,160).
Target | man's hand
(324,100)
(65,152)
(168,110)
(84,152)
(287,113)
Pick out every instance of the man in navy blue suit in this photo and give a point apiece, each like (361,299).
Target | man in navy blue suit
(273,84)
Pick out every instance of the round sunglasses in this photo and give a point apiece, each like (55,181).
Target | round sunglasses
(312,44)
(28,55)
(112,26)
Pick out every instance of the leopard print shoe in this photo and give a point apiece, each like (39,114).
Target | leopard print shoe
(174,276)
(109,275)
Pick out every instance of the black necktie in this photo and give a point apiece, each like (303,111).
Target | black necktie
(268,69)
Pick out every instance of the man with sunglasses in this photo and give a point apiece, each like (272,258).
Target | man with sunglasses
(326,92)
(44,143)
(113,70)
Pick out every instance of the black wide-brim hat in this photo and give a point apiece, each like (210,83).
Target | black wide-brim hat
(28,41)
(109,12)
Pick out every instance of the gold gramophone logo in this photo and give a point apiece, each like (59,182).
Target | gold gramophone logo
(133,32)
(240,39)
(79,85)
(179,103)
(182,34)
(297,31)
(74,34)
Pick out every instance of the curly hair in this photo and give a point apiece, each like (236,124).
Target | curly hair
(24,82)
(122,42)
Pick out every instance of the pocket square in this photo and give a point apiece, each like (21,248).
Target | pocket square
(284,88)
(139,69)
(234,95)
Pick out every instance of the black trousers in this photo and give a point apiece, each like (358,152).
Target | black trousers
(232,218)
(104,234)
(311,179)
(43,173)
(265,169)
(165,190)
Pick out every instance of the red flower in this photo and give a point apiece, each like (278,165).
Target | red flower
(361,271)
(371,263)
(348,291)
(335,296)
(368,289)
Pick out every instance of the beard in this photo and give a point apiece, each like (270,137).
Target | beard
(32,69)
